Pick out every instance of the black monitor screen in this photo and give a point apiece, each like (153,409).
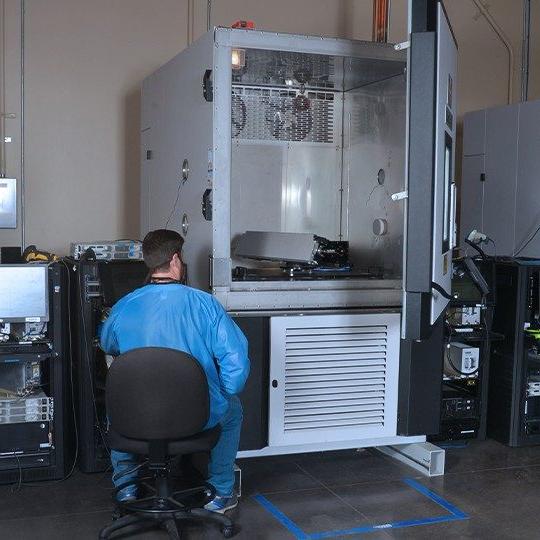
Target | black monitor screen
(119,278)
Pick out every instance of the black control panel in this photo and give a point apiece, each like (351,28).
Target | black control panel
(459,407)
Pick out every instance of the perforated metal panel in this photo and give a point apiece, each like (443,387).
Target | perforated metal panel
(335,377)
(282,114)
(278,68)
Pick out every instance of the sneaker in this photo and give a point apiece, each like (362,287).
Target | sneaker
(129,493)
(221,504)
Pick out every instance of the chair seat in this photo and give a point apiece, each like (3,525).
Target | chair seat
(202,442)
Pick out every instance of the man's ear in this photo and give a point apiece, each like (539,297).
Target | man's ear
(182,268)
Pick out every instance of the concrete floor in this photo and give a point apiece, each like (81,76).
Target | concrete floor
(496,486)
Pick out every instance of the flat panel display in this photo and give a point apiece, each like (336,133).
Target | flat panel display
(24,293)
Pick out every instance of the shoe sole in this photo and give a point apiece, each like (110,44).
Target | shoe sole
(226,509)
(126,499)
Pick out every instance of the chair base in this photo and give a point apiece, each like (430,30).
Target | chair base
(165,508)
(169,521)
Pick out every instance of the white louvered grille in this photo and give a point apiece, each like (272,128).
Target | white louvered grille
(282,115)
(335,377)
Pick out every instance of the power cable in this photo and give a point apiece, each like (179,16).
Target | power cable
(530,239)
(175,203)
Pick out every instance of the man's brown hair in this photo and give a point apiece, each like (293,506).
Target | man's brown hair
(159,247)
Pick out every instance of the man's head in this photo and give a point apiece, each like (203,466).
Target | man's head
(162,253)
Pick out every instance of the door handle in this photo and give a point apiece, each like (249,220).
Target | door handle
(207,205)
(207,86)
(453,206)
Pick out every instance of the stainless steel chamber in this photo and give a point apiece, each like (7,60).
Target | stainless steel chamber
(302,135)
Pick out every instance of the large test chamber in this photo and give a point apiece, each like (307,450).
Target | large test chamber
(312,179)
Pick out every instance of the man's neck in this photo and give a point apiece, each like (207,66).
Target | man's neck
(163,276)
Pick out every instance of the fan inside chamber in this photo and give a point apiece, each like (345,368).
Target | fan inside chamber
(238,115)
(289,119)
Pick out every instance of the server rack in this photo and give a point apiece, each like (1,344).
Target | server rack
(514,393)
(97,286)
(36,430)
(465,397)
(468,321)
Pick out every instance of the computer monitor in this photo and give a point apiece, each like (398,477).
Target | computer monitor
(24,293)
(119,278)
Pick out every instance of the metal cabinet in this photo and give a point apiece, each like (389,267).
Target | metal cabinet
(499,188)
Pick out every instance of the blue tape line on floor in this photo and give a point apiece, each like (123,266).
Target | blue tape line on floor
(436,498)
(281,517)
(386,526)
(455,515)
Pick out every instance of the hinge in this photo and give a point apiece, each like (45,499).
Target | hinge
(402,46)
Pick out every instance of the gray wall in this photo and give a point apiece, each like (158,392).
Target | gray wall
(84,61)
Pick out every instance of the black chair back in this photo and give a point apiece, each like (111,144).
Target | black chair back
(155,393)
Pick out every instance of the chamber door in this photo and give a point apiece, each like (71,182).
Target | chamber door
(430,215)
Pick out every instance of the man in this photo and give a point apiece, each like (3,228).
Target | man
(166,313)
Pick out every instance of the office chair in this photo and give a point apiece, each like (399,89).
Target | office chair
(158,404)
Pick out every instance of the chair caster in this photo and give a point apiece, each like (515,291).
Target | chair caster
(227,532)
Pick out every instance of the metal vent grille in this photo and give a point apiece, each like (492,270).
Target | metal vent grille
(335,377)
(278,68)
(282,115)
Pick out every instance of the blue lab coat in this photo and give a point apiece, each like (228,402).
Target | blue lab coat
(179,317)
